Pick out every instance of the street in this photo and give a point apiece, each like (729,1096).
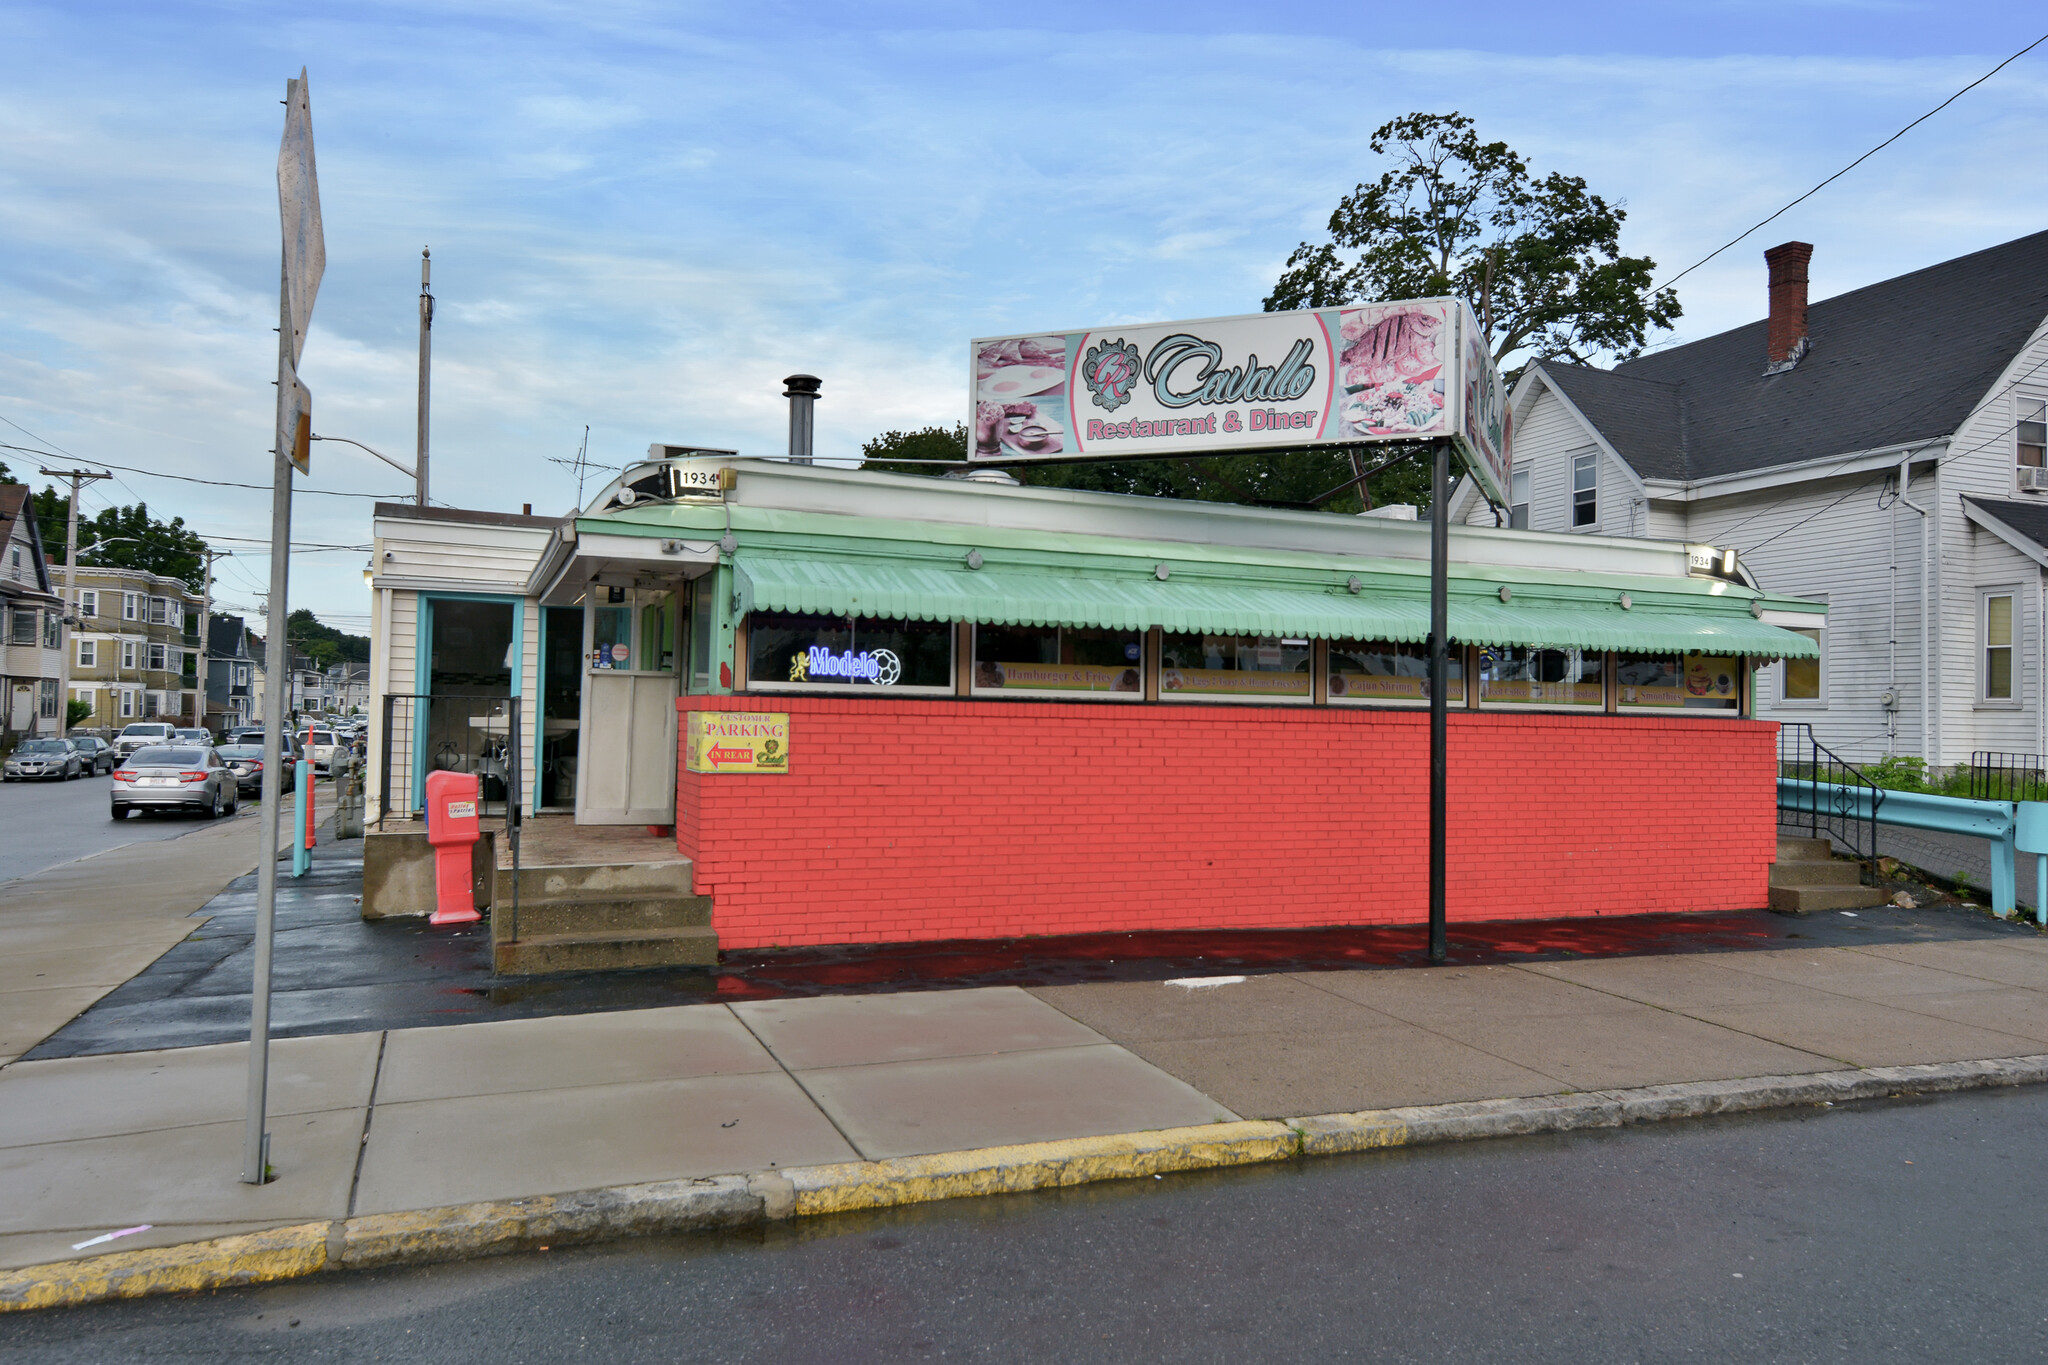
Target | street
(43,824)
(1902,1230)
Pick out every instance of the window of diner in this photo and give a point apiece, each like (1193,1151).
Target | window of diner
(1383,671)
(1081,661)
(658,634)
(788,650)
(1529,675)
(1234,667)
(1679,682)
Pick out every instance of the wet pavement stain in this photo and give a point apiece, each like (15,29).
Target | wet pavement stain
(334,972)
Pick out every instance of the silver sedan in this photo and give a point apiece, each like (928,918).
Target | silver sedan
(174,778)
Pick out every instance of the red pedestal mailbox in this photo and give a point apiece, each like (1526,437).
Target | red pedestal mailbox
(452,829)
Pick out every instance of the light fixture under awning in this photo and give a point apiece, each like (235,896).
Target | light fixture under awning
(997,595)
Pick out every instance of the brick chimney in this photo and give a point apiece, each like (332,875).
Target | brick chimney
(1787,339)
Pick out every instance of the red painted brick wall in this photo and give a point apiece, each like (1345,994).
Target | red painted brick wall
(902,820)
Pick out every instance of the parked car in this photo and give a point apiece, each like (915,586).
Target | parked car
(98,754)
(185,777)
(44,760)
(194,735)
(140,735)
(324,745)
(246,762)
(253,734)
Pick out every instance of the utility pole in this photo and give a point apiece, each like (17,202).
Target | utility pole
(69,620)
(206,624)
(419,463)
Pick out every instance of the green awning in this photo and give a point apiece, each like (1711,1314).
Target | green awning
(1008,595)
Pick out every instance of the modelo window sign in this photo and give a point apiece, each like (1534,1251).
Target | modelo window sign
(1328,376)
(881,667)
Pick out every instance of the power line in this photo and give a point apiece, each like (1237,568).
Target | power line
(1857,162)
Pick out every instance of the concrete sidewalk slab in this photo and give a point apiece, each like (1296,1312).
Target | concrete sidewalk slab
(133,1092)
(1983,960)
(1273,1075)
(1147,1011)
(1700,981)
(1632,1046)
(513,1055)
(1863,1033)
(1857,975)
(428,1153)
(1464,995)
(852,1030)
(943,1104)
(175,1178)
(2002,1010)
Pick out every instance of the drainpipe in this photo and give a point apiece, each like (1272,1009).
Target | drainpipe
(1927,750)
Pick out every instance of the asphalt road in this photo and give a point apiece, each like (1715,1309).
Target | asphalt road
(43,824)
(1896,1231)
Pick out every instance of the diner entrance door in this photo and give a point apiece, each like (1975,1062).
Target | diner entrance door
(626,767)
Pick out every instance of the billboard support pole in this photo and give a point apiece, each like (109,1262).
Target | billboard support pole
(1439,629)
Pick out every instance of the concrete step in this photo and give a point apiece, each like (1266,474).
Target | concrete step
(1816,872)
(613,915)
(1801,900)
(595,881)
(546,954)
(1791,849)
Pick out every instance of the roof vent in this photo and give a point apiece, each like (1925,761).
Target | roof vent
(802,392)
(1786,340)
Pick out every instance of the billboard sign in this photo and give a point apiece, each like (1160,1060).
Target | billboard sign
(1370,373)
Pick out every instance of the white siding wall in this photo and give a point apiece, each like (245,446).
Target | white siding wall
(1831,540)
(1547,438)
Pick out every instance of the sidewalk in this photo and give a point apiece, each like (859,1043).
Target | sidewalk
(380,1122)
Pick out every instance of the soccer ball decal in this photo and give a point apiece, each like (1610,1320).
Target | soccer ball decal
(888,668)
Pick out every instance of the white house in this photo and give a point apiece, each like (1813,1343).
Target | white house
(1882,451)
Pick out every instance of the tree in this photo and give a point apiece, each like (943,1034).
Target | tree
(910,452)
(1539,259)
(76,712)
(322,643)
(135,540)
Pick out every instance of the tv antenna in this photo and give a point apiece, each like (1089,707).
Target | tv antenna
(581,465)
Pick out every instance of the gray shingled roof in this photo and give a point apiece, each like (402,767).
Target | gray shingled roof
(1902,360)
(2030,519)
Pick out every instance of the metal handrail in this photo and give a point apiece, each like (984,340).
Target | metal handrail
(1841,804)
(1996,775)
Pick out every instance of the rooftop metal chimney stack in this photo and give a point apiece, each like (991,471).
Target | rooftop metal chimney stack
(802,392)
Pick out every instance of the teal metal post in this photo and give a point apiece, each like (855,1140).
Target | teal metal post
(302,857)
(2030,835)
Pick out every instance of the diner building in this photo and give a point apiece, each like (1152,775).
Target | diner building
(998,710)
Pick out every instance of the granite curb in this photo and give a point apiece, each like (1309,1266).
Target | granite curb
(498,1227)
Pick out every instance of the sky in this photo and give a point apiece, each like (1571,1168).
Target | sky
(643,216)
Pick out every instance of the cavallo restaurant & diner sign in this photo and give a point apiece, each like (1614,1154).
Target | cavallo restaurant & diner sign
(1414,370)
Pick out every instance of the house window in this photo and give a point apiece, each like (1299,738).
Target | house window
(149,708)
(1805,680)
(156,657)
(241,675)
(127,705)
(1518,500)
(16,551)
(127,654)
(88,653)
(89,602)
(2032,429)
(131,606)
(46,698)
(159,611)
(1996,623)
(24,627)
(1585,489)
(53,629)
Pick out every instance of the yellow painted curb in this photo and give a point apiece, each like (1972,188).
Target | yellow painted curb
(245,1258)
(847,1185)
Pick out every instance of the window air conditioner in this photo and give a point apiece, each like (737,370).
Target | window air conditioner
(2033,479)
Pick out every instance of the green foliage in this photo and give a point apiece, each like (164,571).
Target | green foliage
(7,475)
(322,643)
(1539,259)
(891,449)
(134,539)
(75,711)
(1898,773)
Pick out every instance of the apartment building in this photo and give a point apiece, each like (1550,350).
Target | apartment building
(135,650)
(31,617)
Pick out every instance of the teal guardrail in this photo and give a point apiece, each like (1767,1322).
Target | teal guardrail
(1998,822)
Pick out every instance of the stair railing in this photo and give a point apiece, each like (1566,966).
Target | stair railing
(1838,801)
(1999,776)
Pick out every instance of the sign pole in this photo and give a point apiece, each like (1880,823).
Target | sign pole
(1439,631)
(277,661)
